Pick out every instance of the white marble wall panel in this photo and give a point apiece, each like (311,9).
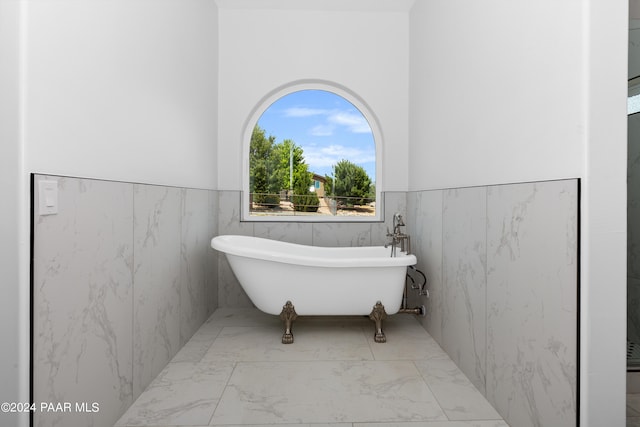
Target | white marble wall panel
(123,277)
(633,310)
(633,198)
(463,321)
(82,294)
(532,302)
(633,226)
(157,268)
(424,211)
(505,305)
(229,208)
(211,284)
(230,293)
(341,234)
(196,237)
(293,232)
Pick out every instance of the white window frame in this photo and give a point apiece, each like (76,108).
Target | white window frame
(255,115)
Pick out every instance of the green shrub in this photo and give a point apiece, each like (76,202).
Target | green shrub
(306,202)
(267,200)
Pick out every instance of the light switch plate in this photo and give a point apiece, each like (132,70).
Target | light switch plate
(48,197)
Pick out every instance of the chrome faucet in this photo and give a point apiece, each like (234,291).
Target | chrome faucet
(398,237)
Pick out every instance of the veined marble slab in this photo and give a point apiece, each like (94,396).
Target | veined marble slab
(425,228)
(82,317)
(532,302)
(122,278)
(156,308)
(326,391)
(504,304)
(464,280)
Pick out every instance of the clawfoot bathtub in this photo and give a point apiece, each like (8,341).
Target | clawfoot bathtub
(288,279)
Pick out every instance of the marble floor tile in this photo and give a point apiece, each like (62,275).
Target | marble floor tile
(264,343)
(235,372)
(633,405)
(195,349)
(326,391)
(492,423)
(289,425)
(457,396)
(183,394)
(406,340)
(328,321)
(242,317)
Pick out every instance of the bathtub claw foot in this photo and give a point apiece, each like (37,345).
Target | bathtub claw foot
(288,315)
(378,314)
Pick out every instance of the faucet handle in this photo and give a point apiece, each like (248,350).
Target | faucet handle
(397,220)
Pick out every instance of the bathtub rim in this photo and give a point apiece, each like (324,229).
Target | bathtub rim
(312,256)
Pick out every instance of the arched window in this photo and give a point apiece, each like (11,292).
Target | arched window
(312,154)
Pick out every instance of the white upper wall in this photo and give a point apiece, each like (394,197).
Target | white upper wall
(123,90)
(505,91)
(496,92)
(14,222)
(264,45)
(325,5)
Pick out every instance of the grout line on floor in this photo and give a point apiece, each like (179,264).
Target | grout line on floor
(224,389)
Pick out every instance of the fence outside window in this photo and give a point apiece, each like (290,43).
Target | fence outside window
(289,204)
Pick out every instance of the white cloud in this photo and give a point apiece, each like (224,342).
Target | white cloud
(318,156)
(355,123)
(305,112)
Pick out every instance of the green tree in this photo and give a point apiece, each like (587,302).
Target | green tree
(353,182)
(372,192)
(262,167)
(303,199)
(328,185)
(281,154)
(269,171)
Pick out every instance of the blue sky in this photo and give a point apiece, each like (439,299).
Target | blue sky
(327,127)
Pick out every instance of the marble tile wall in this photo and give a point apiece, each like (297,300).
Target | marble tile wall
(501,263)
(123,276)
(230,293)
(157,280)
(532,300)
(82,301)
(633,311)
(464,218)
(633,229)
(424,225)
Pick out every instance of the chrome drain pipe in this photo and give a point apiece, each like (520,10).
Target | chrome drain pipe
(418,311)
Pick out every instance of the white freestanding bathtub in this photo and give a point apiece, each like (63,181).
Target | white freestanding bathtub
(316,280)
